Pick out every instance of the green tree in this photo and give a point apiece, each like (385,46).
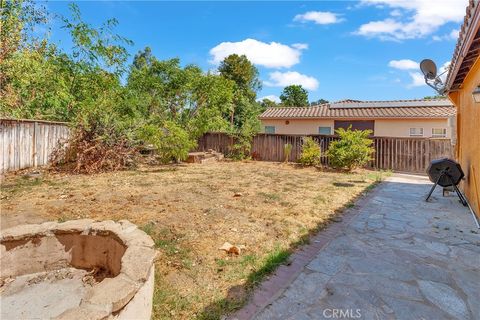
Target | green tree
(243,116)
(40,81)
(245,76)
(161,100)
(18,19)
(241,71)
(143,58)
(438,96)
(353,149)
(318,102)
(267,103)
(294,96)
(197,101)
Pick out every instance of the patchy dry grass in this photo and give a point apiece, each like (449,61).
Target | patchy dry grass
(191,210)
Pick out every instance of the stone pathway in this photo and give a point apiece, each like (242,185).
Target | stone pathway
(398,258)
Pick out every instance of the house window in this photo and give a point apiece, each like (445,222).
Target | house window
(416,132)
(324,130)
(439,132)
(269,129)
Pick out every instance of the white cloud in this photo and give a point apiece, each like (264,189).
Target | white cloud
(396,13)
(412,19)
(283,79)
(404,64)
(271,97)
(417,79)
(300,46)
(270,55)
(318,17)
(443,70)
(452,35)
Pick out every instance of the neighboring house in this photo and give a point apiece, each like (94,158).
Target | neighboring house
(432,118)
(463,88)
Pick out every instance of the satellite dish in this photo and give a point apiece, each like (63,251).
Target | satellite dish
(429,69)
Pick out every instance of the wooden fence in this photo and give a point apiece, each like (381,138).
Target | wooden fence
(398,154)
(28,143)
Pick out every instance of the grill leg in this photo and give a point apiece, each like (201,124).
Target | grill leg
(459,193)
(434,186)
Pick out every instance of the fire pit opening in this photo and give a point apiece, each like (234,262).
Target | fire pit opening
(80,267)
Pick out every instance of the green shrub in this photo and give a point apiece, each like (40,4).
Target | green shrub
(172,143)
(287,150)
(354,149)
(310,153)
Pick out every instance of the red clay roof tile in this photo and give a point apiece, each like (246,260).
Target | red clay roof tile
(348,109)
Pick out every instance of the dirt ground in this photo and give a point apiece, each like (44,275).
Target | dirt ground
(190,211)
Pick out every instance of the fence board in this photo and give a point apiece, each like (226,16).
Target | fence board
(28,143)
(398,154)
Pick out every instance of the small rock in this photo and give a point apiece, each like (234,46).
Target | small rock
(237,194)
(231,249)
(337,219)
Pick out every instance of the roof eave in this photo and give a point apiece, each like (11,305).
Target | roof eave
(356,118)
(471,32)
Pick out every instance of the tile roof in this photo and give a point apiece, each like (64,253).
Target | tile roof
(467,49)
(348,109)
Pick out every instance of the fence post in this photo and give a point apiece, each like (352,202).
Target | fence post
(34,144)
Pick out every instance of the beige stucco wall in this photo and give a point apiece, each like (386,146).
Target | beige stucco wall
(468,135)
(307,126)
(383,127)
(401,128)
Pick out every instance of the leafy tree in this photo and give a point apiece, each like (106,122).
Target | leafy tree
(354,149)
(198,101)
(39,81)
(241,71)
(96,47)
(438,96)
(294,96)
(244,123)
(143,58)
(318,102)
(311,152)
(18,19)
(267,103)
(162,103)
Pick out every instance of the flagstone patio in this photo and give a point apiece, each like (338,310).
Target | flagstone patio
(394,256)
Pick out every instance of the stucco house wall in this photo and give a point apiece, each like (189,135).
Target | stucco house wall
(401,127)
(297,126)
(383,127)
(468,135)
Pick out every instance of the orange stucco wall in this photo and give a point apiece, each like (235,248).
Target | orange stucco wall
(468,135)
(383,127)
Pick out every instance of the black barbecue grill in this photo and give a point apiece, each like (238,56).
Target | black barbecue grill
(446,173)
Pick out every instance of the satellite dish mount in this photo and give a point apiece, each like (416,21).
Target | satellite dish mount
(429,70)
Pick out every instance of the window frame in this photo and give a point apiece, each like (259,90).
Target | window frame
(416,135)
(443,135)
(274,129)
(329,130)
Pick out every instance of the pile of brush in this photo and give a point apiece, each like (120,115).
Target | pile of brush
(87,152)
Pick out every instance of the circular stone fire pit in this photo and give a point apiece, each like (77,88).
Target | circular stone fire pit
(79,269)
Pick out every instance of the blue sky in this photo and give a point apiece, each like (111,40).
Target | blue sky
(367,50)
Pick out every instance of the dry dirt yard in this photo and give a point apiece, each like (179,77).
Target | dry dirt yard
(190,211)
